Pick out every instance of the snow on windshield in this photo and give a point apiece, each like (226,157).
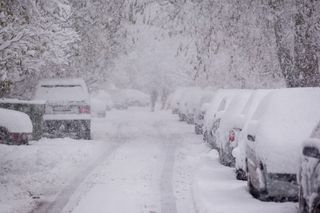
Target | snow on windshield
(56,93)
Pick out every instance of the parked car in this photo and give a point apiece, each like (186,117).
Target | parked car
(34,109)
(309,174)
(68,111)
(214,114)
(201,109)
(137,98)
(283,119)
(98,107)
(119,99)
(15,127)
(193,99)
(100,103)
(231,126)
(174,100)
(239,151)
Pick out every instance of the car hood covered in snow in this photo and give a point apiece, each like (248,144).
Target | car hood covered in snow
(14,121)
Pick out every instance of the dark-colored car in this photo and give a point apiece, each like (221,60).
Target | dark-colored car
(15,127)
(68,110)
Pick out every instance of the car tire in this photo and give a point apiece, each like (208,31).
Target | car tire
(241,174)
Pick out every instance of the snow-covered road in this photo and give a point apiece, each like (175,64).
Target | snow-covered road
(138,162)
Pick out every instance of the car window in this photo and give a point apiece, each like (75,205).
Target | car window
(54,93)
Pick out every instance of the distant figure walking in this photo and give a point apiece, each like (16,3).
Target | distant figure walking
(154,97)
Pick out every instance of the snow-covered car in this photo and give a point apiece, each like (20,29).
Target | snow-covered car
(214,114)
(239,152)
(309,174)
(119,99)
(192,100)
(283,119)
(174,100)
(68,111)
(230,127)
(98,107)
(15,127)
(186,103)
(201,109)
(136,98)
(100,103)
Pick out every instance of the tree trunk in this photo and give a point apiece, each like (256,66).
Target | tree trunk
(305,52)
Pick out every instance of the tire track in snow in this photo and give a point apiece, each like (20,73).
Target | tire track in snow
(63,197)
(168,200)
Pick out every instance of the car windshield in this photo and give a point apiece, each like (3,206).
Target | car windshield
(56,93)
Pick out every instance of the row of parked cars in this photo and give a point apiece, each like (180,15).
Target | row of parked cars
(60,108)
(270,137)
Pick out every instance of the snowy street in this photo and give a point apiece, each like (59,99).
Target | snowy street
(138,162)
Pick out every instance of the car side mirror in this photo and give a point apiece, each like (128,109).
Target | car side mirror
(310,151)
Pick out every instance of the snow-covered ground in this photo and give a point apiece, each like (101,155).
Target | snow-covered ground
(138,162)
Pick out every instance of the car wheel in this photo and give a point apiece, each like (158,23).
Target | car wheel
(4,135)
(241,175)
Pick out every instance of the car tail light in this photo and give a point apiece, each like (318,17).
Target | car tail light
(232,136)
(84,109)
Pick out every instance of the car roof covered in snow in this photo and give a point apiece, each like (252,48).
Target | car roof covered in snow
(63,81)
(62,92)
(220,100)
(17,101)
(283,119)
(15,122)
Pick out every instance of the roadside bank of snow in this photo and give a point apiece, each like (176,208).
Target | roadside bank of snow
(216,190)
(39,171)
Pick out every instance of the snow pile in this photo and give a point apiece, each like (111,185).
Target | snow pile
(29,174)
(284,119)
(14,121)
(216,190)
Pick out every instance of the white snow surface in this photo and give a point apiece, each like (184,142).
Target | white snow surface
(138,162)
(15,122)
(215,190)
